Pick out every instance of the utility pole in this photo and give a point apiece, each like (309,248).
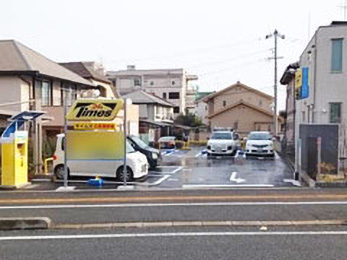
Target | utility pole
(276,34)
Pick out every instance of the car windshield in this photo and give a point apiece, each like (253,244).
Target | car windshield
(139,142)
(129,148)
(259,136)
(221,136)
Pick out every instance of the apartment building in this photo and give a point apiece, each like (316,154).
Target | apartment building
(173,85)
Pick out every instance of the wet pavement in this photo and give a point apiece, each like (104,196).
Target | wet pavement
(192,169)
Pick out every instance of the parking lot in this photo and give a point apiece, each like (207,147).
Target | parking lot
(191,169)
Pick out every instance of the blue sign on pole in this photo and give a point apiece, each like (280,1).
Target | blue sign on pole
(305,91)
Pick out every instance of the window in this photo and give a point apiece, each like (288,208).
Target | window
(205,108)
(176,110)
(224,103)
(70,94)
(335,112)
(336,55)
(236,125)
(164,95)
(46,93)
(173,83)
(174,95)
(260,102)
(152,83)
(137,82)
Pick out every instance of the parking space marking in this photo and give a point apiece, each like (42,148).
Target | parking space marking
(198,154)
(237,180)
(161,180)
(177,170)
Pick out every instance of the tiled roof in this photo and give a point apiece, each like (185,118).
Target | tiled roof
(17,58)
(142,97)
(85,70)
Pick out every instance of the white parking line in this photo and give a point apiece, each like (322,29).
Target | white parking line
(177,170)
(161,180)
(175,234)
(198,154)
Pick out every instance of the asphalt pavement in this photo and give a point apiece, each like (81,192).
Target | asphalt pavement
(191,169)
(184,243)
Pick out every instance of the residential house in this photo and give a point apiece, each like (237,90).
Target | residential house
(172,85)
(326,104)
(95,73)
(156,115)
(201,108)
(30,81)
(242,108)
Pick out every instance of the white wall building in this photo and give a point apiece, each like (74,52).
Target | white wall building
(325,56)
(172,85)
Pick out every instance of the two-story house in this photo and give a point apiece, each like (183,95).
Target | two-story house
(30,81)
(172,85)
(242,108)
(155,116)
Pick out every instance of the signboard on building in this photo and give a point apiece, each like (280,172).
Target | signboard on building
(95,110)
(302,83)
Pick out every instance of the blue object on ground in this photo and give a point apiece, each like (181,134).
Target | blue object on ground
(95,182)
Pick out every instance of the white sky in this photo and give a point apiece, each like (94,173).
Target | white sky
(221,41)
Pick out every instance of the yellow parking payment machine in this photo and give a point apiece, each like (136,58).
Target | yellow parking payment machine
(14,150)
(14,163)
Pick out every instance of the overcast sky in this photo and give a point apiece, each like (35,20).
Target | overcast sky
(221,41)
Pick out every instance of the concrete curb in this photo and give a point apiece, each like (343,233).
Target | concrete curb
(202,224)
(25,223)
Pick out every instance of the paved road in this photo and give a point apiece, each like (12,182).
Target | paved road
(201,211)
(176,244)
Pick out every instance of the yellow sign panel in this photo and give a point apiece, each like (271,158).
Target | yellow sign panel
(298,78)
(95,110)
(84,145)
(94,126)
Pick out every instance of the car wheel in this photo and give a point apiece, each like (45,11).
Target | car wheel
(120,174)
(59,172)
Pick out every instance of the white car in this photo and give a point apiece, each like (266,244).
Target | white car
(260,144)
(137,165)
(223,143)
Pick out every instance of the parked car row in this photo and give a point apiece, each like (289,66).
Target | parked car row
(227,142)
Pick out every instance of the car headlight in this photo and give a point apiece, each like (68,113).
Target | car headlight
(154,156)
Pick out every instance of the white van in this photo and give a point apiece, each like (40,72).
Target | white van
(137,165)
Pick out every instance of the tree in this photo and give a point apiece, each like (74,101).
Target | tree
(188,120)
